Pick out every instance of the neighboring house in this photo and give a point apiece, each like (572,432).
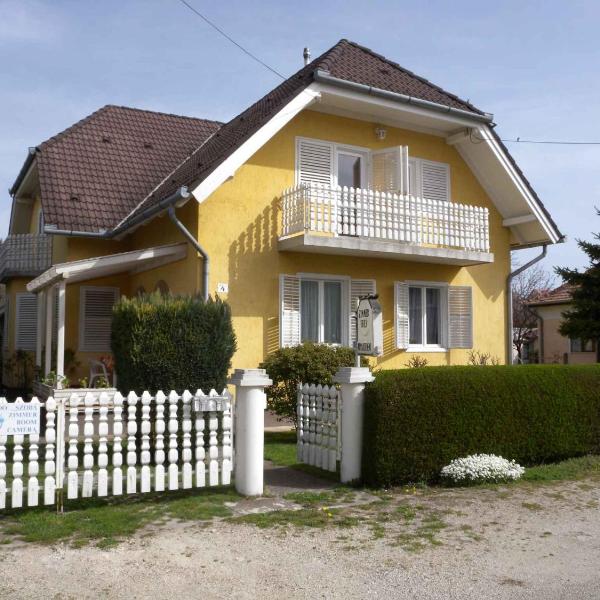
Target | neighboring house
(352,176)
(554,347)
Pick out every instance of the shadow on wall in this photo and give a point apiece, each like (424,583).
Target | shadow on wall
(253,269)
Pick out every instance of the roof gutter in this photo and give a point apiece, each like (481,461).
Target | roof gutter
(326,77)
(509,308)
(24,170)
(181,194)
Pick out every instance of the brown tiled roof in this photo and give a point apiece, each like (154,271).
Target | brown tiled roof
(118,163)
(559,295)
(93,174)
(346,60)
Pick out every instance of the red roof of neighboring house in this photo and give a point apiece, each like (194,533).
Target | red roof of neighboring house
(559,295)
(93,174)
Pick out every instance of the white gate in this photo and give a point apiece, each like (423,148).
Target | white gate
(101,445)
(318,426)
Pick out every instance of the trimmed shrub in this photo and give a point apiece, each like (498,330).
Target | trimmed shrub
(172,343)
(419,420)
(306,363)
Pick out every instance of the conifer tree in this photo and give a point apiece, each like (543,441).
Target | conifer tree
(582,320)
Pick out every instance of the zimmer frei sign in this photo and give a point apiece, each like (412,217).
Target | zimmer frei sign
(369,327)
(19,419)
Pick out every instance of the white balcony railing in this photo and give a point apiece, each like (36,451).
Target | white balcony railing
(26,254)
(365,213)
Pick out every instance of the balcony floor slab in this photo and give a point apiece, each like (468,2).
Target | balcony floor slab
(389,249)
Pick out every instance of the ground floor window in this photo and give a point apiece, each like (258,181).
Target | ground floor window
(580,345)
(321,311)
(425,316)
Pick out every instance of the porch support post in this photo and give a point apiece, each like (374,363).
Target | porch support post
(249,435)
(60,338)
(40,299)
(352,382)
(49,300)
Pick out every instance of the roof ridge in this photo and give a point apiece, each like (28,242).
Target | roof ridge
(85,120)
(161,113)
(412,74)
(61,134)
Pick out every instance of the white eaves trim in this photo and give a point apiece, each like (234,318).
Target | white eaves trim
(91,268)
(237,158)
(487,138)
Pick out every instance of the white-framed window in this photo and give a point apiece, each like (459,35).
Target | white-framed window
(426,321)
(432,316)
(386,170)
(319,308)
(580,345)
(95,317)
(26,321)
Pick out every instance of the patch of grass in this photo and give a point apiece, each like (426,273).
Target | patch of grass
(280,449)
(566,470)
(408,513)
(107,522)
(308,499)
(306,517)
(532,506)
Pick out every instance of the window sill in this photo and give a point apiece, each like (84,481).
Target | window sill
(422,349)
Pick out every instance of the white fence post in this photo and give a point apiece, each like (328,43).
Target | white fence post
(352,385)
(250,405)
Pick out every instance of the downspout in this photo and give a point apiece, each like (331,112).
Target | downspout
(509,280)
(194,242)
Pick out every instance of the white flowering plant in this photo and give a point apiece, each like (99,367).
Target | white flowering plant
(481,468)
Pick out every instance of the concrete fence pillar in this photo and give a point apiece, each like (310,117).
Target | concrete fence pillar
(352,382)
(249,434)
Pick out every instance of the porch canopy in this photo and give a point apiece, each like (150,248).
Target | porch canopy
(54,280)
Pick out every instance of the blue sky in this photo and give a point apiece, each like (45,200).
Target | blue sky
(533,64)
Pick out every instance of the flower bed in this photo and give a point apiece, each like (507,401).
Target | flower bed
(481,468)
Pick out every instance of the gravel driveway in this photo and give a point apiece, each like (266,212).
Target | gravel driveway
(525,542)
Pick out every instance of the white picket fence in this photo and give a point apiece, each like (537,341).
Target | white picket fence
(384,216)
(185,441)
(318,426)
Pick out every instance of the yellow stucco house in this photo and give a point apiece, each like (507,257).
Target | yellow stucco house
(352,176)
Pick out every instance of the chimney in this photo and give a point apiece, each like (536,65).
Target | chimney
(306,56)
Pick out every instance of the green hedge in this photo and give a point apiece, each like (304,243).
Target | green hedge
(418,420)
(172,343)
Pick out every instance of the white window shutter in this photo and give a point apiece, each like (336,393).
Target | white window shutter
(358,287)
(401,316)
(96,318)
(314,162)
(26,329)
(435,180)
(389,170)
(460,317)
(289,318)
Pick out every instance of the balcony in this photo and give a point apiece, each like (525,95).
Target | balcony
(25,255)
(359,222)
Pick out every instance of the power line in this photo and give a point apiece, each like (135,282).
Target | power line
(228,37)
(276,72)
(558,143)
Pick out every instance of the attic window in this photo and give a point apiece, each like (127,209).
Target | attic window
(74,198)
(106,139)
